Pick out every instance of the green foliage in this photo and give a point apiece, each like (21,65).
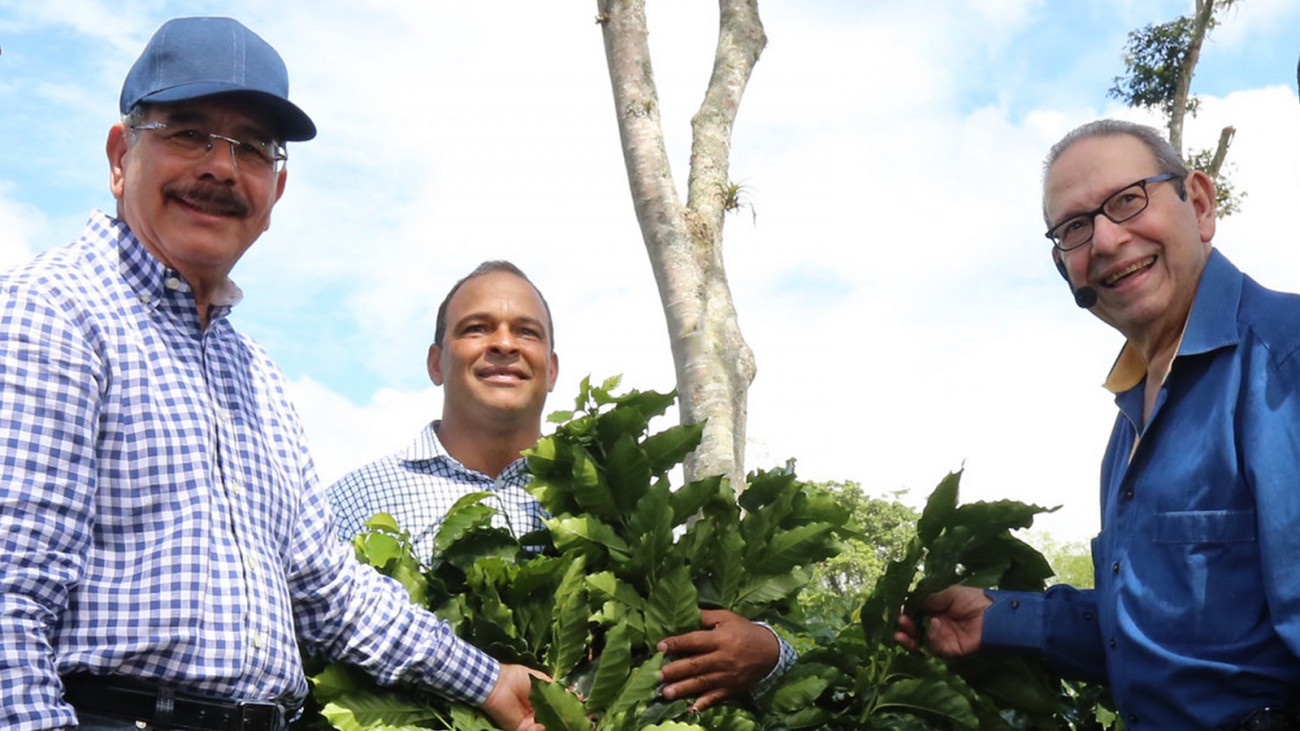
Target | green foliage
(628,560)
(1153,56)
(860,679)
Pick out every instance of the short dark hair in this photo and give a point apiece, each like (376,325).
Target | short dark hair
(488,267)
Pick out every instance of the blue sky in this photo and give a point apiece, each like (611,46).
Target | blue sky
(891,277)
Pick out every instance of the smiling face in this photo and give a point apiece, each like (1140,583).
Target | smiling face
(197,215)
(495,365)
(1146,270)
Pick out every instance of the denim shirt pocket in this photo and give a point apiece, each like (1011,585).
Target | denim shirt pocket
(1204,570)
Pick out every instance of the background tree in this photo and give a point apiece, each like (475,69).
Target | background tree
(713,363)
(841,583)
(1159,62)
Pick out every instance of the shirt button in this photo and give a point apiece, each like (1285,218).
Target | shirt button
(1128,494)
(259,639)
(172,283)
(1087,616)
(146,298)
(1015,603)
(1112,642)
(1114,568)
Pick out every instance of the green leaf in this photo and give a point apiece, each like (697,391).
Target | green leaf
(798,546)
(556,708)
(573,531)
(764,489)
(466,514)
(801,687)
(376,711)
(673,607)
(569,622)
(687,500)
(607,586)
(628,474)
(669,447)
(771,589)
(640,687)
(939,508)
(612,669)
(590,488)
(928,695)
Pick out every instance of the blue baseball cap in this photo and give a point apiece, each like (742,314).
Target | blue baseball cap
(191,58)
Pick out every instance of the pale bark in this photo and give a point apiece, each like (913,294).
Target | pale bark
(1200,26)
(714,364)
(1221,152)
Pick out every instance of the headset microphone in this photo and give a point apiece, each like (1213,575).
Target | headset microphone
(1084,296)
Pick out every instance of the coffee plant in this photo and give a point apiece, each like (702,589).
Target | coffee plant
(627,559)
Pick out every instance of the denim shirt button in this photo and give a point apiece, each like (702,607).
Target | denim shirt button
(1114,568)
(1111,643)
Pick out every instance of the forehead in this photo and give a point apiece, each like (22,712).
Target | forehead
(498,293)
(1091,169)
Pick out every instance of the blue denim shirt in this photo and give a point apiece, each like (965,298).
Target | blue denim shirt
(1195,619)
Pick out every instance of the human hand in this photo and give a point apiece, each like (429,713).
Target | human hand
(728,655)
(956,620)
(508,705)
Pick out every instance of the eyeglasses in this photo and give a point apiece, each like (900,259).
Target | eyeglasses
(1122,205)
(193,143)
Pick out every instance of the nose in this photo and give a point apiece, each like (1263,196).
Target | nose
(1107,235)
(503,340)
(224,166)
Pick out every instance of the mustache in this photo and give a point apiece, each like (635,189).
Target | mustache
(210,198)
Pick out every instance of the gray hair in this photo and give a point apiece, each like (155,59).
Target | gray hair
(138,115)
(1167,158)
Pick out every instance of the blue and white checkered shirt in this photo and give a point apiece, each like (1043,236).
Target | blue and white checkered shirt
(160,516)
(418,486)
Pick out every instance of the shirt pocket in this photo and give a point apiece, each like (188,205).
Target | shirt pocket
(1203,584)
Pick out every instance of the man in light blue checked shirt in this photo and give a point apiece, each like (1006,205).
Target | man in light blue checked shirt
(493,355)
(165,542)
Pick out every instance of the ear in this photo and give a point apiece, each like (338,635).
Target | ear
(116,148)
(435,364)
(279,191)
(1201,194)
(555,371)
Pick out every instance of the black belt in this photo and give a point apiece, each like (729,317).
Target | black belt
(132,700)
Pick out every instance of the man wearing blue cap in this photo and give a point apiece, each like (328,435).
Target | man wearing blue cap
(166,544)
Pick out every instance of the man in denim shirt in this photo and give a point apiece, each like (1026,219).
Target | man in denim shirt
(1195,618)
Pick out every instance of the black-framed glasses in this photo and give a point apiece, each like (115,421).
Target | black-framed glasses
(192,142)
(1122,205)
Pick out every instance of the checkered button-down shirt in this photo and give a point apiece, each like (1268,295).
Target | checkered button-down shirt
(419,484)
(159,514)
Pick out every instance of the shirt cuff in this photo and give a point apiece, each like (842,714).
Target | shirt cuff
(1014,621)
(467,674)
(783,663)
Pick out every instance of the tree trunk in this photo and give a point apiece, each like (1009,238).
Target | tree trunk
(714,364)
(1200,26)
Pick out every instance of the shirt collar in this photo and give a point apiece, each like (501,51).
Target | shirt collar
(1211,324)
(427,447)
(149,278)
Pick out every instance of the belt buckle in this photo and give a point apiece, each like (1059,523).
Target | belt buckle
(269,715)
